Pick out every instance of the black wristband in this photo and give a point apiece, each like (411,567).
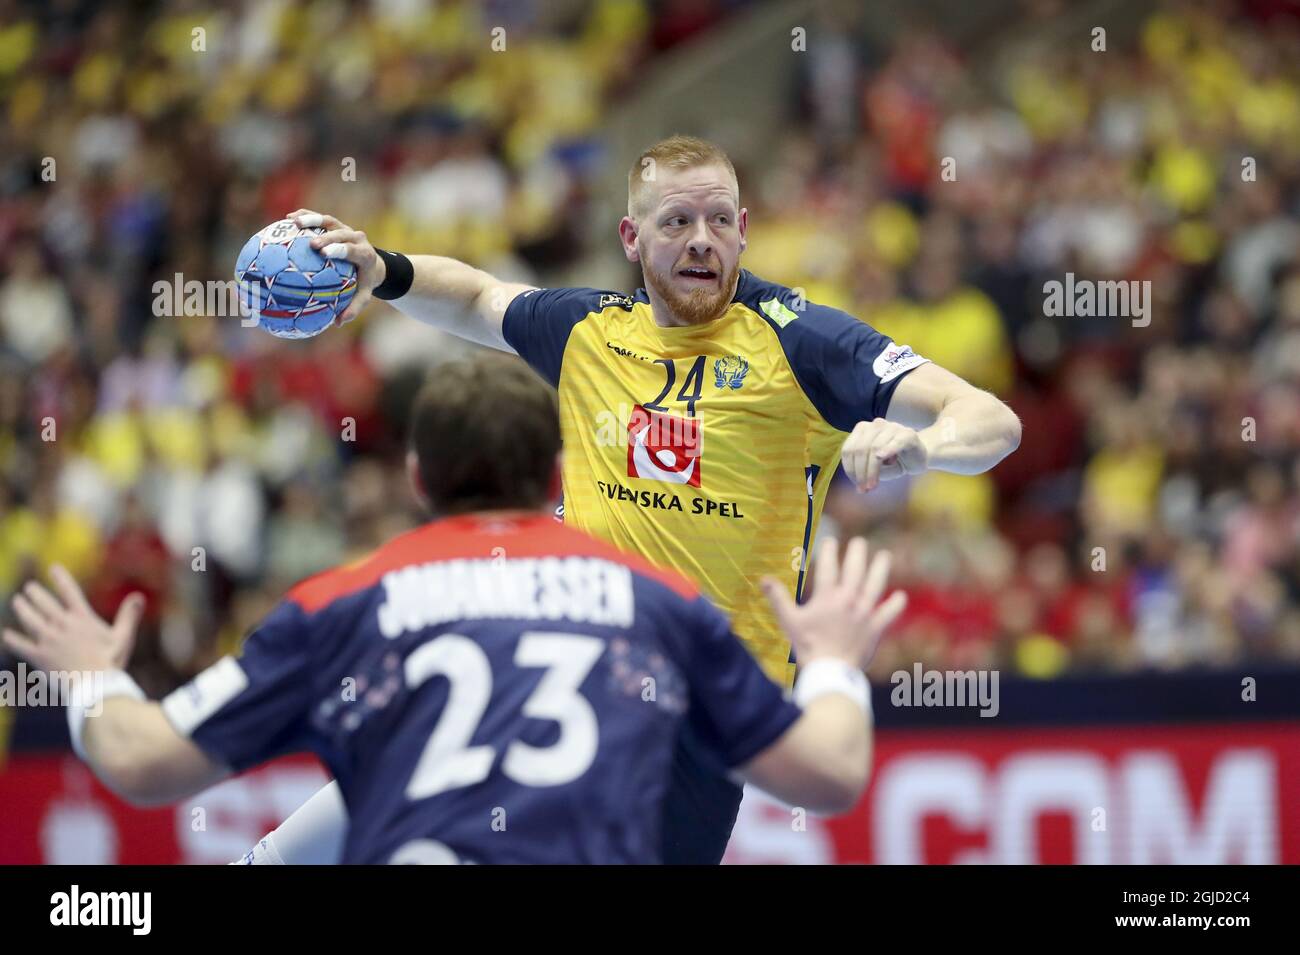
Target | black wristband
(398,276)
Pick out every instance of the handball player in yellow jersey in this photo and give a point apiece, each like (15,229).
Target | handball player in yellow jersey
(704,415)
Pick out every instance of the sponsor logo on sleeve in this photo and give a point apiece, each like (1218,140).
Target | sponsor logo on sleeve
(895,360)
(777,312)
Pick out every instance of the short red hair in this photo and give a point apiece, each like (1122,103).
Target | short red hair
(675,152)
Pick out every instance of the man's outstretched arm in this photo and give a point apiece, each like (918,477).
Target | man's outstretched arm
(421,286)
(138,754)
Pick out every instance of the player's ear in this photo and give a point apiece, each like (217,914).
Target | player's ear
(627,234)
(742,222)
(413,477)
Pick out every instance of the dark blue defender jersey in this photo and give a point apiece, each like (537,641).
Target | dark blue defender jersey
(490,688)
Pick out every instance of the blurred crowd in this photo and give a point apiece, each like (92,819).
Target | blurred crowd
(204,463)
(1149,518)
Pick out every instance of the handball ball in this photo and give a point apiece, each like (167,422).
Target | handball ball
(293,290)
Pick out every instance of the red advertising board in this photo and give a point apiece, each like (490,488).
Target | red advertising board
(1207,794)
(1121,794)
(55,811)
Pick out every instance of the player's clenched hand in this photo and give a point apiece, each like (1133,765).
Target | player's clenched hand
(67,634)
(845,617)
(881,450)
(342,242)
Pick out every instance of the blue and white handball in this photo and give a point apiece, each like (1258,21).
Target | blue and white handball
(293,290)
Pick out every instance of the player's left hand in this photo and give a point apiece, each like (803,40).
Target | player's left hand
(882,450)
(67,634)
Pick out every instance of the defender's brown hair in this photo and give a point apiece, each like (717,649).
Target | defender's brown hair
(485,431)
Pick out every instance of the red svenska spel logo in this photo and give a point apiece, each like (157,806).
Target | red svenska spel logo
(663,447)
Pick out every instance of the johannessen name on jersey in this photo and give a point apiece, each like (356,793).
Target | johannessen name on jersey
(708,449)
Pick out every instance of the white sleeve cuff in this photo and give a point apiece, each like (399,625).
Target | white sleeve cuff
(824,676)
(88,699)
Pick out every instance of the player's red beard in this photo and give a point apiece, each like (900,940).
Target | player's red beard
(697,305)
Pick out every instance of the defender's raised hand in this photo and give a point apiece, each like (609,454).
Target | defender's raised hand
(68,634)
(845,618)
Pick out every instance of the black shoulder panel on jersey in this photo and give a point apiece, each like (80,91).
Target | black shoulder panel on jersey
(537,323)
(841,362)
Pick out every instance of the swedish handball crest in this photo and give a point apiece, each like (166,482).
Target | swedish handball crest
(730,371)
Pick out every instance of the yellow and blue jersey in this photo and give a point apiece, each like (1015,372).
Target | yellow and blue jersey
(708,448)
